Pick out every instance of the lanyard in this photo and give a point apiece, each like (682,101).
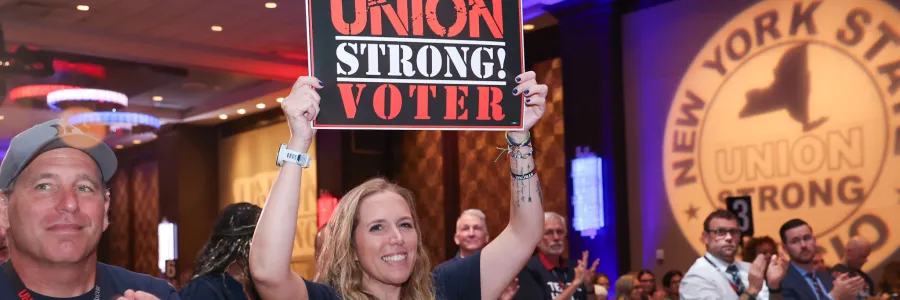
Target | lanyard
(23,292)
(733,287)
(565,276)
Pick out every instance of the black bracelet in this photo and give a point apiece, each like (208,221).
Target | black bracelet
(523,176)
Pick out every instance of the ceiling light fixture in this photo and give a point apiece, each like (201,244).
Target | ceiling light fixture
(527,27)
(157,98)
(271,5)
(119,146)
(223,116)
(35,95)
(102,100)
(261,106)
(136,142)
(83,8)
(2,117)
(242,111)
(216,28)
(119,122)
(280,99)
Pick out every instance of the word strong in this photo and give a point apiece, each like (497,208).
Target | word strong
(765,112)
(417,64)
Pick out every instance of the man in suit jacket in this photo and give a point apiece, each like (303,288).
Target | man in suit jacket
(717,275)
(802,280)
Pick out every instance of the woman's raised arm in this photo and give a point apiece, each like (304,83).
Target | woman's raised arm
(270,252)
(503,258)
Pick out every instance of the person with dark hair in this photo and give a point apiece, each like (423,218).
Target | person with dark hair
(717,275)
(764,245)
(648,282)
(671,281)
(601,285)
(223,269)
(802,280)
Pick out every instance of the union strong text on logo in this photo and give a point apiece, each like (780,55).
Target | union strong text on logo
(797,104)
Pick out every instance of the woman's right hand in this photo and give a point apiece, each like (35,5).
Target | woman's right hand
(301,107)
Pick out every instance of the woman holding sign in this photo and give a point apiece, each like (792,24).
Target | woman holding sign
(373,248)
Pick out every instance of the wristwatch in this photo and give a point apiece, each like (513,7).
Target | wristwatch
(285,154)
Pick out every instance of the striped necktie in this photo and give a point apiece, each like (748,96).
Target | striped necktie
(736,279)
(819,293)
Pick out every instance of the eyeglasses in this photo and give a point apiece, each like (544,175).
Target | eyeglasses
(721,232)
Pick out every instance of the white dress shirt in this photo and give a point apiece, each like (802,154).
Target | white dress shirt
(707,280)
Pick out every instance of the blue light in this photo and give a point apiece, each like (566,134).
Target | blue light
(587,194)
(115,118)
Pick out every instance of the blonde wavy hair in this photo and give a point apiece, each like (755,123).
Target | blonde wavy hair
(336,266)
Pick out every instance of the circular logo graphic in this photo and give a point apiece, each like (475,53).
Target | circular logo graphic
(795,104)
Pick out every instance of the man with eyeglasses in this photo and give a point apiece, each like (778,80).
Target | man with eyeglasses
(802,280)
(718,275)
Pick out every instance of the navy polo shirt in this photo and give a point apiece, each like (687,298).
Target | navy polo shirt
(113,280)
(456,280)
(213,287)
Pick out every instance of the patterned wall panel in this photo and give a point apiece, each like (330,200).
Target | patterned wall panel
(485,184)
(549,142)
(117,234)
(145,214)
(420,163)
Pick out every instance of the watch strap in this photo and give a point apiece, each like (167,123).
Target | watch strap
(285,154)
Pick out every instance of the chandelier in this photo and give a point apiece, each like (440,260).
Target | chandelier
(93,99)
(35,95)
(104,106)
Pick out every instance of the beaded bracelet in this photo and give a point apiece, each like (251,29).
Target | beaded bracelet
(512,152)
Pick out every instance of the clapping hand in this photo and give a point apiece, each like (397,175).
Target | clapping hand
(139,295)
(588,273)
(510,290)
(757,274)
(846,287)
(776,271)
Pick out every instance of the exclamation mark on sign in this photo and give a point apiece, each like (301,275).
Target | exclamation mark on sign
(501,54)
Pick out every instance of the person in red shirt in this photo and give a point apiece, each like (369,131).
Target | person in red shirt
(548,275)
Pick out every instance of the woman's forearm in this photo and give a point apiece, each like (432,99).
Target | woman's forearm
(273,241)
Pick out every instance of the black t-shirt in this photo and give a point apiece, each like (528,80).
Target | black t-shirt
(213,287)
(459,280)
(536,282)
(114,281)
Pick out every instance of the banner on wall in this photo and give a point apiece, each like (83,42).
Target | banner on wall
(417,64)
(797,105)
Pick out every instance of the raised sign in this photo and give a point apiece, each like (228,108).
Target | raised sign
(417,64)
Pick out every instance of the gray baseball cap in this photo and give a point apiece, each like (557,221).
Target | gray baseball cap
(49,136)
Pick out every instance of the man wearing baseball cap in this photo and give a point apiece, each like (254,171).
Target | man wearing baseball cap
(53,205)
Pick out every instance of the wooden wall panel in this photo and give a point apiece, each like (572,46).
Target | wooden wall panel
(419,162)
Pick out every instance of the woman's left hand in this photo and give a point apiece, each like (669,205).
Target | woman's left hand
(535,97)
